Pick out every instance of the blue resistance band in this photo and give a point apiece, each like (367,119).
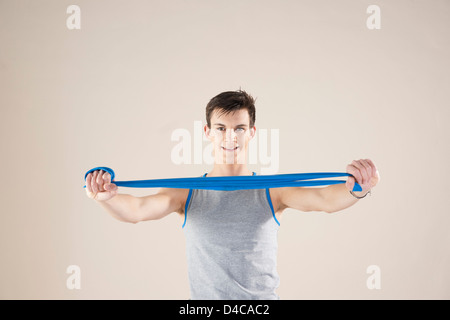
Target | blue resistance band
(229,183)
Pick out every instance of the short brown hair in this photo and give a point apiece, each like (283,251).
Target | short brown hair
(231,101)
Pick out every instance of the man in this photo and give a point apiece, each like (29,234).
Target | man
(231,236)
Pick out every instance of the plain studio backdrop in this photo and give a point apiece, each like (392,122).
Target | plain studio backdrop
(113,93)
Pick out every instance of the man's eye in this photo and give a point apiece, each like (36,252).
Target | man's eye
(241,129)
(220,129)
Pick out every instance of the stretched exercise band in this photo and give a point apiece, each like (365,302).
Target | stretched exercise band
(229,183)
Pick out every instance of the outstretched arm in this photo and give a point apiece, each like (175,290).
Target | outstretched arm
(128,208)
(335,197)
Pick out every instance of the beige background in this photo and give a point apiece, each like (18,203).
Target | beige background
(113,92)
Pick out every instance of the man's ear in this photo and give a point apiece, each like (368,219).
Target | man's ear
(207,132)
(252,132)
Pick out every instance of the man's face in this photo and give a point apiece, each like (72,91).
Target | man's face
(230,134)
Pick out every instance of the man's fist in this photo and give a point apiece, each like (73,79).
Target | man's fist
(99,186)
(365,173)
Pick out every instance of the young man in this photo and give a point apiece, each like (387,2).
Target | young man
(231,236)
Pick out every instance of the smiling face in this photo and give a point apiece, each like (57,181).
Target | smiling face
(230,134)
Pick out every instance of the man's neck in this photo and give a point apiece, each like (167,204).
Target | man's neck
(229,170)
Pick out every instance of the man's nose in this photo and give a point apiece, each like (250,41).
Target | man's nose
(230,135)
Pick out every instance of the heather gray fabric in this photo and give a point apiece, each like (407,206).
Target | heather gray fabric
(231,244)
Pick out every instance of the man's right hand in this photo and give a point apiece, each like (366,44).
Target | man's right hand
(99,186)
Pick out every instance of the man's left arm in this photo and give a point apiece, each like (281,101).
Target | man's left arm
(334,197)
(338,197)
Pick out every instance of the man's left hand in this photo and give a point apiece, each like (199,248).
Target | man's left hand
(366,174)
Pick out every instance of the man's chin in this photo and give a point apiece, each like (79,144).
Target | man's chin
(230,159)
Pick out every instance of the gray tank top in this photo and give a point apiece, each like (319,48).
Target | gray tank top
(231,244)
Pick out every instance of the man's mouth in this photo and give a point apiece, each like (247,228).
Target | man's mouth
(230,149)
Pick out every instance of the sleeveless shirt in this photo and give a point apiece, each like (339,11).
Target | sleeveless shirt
(231,244)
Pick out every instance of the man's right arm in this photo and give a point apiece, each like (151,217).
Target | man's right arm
(128,208)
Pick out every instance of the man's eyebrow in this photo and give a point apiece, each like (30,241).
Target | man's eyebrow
(221,124)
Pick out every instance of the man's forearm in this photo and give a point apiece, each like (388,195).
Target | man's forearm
(338,197)
(123,207)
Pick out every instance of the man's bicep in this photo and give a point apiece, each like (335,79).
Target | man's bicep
(303,199)
(159,205)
